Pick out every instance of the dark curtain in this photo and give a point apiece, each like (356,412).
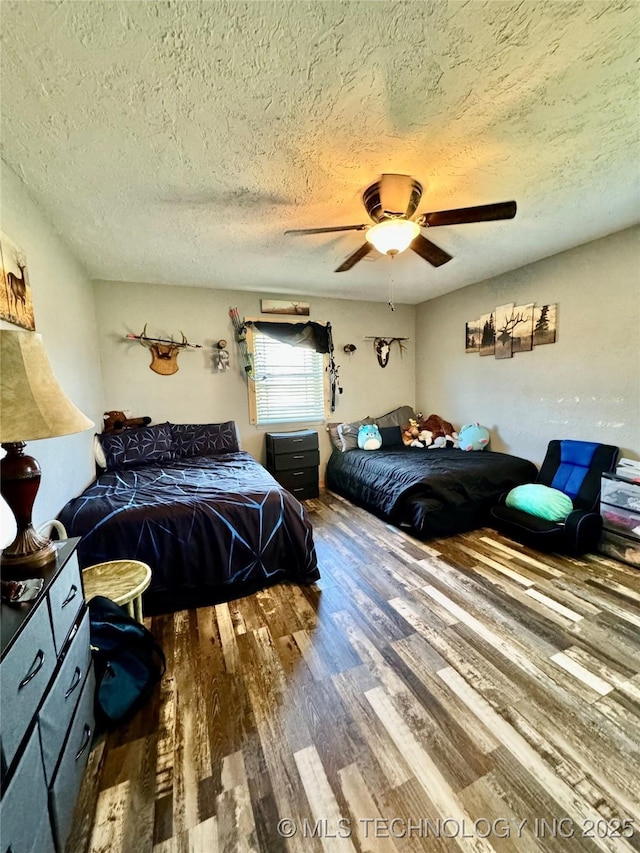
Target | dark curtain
(308,335)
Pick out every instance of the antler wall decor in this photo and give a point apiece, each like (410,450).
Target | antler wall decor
(164,351)
(382,347)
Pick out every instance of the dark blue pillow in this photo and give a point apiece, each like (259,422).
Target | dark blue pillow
(391,436)
(204,439)
(137,446)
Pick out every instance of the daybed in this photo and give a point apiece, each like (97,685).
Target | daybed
(433,492)
(211,521)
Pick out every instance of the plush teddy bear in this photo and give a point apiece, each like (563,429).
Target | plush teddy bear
(410,432)
(117,421)
(443,433)
(369,437)
(473,437)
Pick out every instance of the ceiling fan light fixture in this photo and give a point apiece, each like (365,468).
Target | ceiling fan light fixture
(392,236)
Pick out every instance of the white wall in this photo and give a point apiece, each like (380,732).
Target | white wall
(585,386)
(197,394)
(65,317)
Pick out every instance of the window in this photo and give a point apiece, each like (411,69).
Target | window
(289,382)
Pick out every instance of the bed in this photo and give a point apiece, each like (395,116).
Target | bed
(435,492)
(211,522)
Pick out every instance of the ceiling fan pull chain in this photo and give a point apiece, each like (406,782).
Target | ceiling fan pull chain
(391,302)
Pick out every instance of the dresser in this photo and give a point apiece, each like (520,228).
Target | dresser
(620,510)
(46,704)
(293,459)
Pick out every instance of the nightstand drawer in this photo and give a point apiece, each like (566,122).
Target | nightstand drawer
(24,675)
(24,816)
(57,710)
(294,461)
(291,442)
(65,601)
(66,783)
(293,479)
(620,520)
(304,491)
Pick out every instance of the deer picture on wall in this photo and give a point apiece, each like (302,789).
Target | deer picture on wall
(15,294)
(164,351)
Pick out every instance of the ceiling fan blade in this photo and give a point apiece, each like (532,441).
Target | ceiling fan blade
(353,259)
(481,213)
(327,230)
(429,251)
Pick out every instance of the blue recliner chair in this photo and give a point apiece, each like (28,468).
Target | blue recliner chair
(575,468)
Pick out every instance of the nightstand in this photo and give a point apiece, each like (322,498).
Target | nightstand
(47,692)
(293,459)
(620,510)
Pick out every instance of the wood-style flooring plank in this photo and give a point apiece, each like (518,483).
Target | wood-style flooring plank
(459,694)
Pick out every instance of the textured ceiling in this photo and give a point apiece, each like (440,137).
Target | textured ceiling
(175,142)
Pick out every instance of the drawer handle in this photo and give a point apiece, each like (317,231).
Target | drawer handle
(301,456)
(74,682)
(296,440)
(301,489)
(85,743)
(298,473)
(34,669)
(71,596)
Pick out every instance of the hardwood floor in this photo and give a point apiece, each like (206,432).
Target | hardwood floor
(460,694)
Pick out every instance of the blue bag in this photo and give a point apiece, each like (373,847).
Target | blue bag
(128,662)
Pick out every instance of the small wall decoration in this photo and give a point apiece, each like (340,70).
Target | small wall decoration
(15,294)
(274,306)
(472,336)
(164,351)
(220,357)
(510,329)
(544,325)
(487,334)
(382,347)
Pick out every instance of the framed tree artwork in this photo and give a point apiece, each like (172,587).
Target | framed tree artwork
(15,294)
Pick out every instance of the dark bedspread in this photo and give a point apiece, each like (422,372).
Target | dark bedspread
(435,492)
(211,528)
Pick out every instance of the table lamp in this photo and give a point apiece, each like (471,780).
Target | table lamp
(32,406)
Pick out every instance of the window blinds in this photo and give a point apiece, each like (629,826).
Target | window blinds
(293,385)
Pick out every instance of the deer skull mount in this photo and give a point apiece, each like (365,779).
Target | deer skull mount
(164,353)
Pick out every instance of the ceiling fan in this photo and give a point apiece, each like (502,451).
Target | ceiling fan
(391,202)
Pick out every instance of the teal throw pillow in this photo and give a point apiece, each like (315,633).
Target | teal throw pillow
(542,501)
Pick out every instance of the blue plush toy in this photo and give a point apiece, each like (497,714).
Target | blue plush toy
(473,437)
(369,437)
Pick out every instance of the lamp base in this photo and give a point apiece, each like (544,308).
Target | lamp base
(19,483)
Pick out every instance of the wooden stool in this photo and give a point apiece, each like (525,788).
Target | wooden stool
(123,581)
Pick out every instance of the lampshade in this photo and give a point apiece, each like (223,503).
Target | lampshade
(392,235)
(32,403)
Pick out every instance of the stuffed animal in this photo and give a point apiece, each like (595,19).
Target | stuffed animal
(117,421)
(410,432)
(473,437)
(440,429)
(414,435)
(369,437)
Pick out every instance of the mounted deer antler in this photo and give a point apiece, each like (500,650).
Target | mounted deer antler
(164,352)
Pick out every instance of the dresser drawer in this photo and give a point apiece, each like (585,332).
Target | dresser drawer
(617,492)
(68,777)
(294,461)
(291,442)
(57,709)
(24,674)
(24,816)
(65,601)
(620,520)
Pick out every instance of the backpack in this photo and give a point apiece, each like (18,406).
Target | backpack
(128,662)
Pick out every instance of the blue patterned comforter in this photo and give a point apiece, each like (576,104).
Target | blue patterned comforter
(212,527)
